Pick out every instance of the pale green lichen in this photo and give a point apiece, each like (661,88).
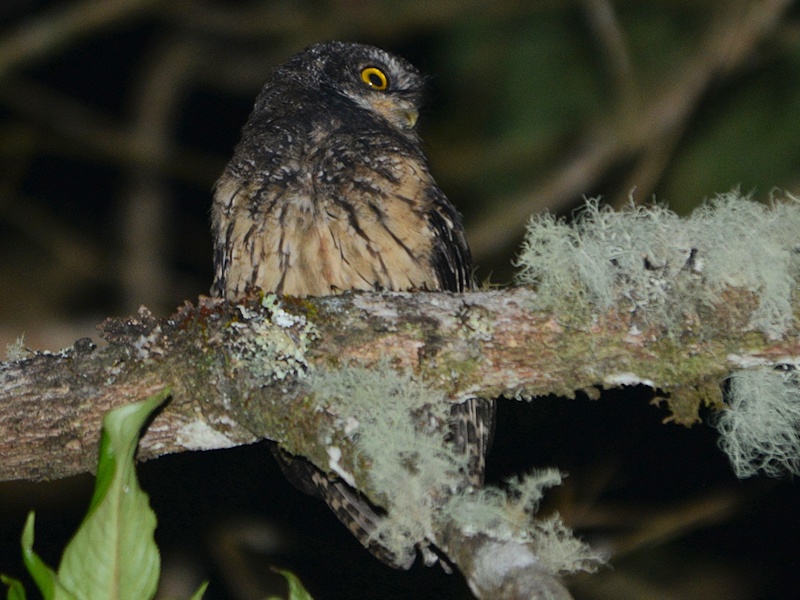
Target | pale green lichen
(476,324)
(271,344)
(16,350)
(510,514)
(651,261)
(756,247)
(760,430)
(506,513)
(399,424)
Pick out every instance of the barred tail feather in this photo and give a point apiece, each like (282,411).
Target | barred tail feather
(472,430)
(350,507)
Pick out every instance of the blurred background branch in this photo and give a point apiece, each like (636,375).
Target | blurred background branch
(55,28)
(117,116)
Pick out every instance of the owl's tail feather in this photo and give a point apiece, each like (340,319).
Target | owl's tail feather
(471,431)
(350,507)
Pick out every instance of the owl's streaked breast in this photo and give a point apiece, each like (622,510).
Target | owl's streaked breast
(318,232)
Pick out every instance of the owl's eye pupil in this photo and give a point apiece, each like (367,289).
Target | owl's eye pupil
(374,78)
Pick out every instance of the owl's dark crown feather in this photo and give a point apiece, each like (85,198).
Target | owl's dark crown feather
(336,66)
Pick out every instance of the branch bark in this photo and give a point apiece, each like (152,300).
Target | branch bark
(483,344)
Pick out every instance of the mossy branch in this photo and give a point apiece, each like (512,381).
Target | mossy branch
(234,385)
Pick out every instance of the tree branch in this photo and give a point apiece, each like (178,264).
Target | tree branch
(486,344)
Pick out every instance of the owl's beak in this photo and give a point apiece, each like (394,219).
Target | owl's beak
(409,115)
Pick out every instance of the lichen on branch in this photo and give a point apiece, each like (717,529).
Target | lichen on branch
(661,267)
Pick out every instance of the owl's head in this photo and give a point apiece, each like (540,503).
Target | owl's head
(370,77)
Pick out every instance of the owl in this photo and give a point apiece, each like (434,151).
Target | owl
(329,191)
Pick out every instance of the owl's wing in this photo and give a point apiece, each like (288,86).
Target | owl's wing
(352,509)
(450,255)
(405,192)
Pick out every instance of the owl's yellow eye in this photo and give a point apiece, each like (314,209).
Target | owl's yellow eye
(374,78)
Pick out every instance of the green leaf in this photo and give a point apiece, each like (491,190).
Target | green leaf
(43,576)
(296,589)
(113,554)
(200,591)
(15,589)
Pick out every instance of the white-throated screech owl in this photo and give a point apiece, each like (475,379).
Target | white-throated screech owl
(328,191)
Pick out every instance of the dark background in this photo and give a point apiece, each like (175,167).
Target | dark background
(117,116)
